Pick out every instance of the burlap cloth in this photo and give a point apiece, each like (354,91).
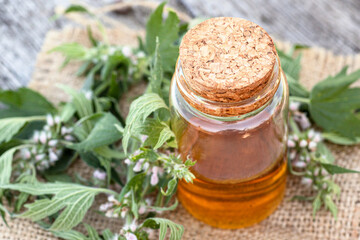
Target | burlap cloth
(292,220)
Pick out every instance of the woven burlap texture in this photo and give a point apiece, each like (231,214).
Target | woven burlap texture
(292,220)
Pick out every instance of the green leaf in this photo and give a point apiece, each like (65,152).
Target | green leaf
(334,169)
(170,208)
(70,235)
(317,204)
(158,133)
(156,72)
(334,107)
(76,8)
(71,50)
(93,235)
(325,153)
(171,186)
(331,205)
(140,109)
(176,230)
(134,184)
(167,32)
(339,139)
(107,234)
(6,165)
(24,102)
(9,127)
(73,198)
(104,133)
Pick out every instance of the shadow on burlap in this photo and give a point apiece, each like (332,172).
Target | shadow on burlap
(292,220)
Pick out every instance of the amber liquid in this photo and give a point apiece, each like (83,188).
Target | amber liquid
(240,174)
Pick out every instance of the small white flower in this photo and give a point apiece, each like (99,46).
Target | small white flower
(304,121)
(49,120)
(312,146)
(109,214)
(316,171)
(291,143)
(111,198)
(292,155)
(57,119)
(25,153)
(323,172)
(154,179)
(112,50)
(133,226)
(104,207)
(146,166)
(53,142)
(140,54)
(99,174)
(311,133)
(43,137)
(126,50)
(65,130)
(52,156)
(148,201)
(142,209)
(303,143)
(127,161)
(299,164)
(295,137)
(88,95)
(317,137)
(306,181)
(46,128)
(137,167)
(324,186)
(294,106)
(143,138)
(40,157)
(130,236)
(115,237)
(69,138)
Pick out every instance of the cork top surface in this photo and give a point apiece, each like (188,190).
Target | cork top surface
(227,59)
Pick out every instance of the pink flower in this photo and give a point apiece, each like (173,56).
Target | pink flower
(53,157)
(142,209)
(294,106)
(42,137)
(49,120)
(299,164)
(303,143)
(99,175)
(291,143)
(138,166)
(312,146)
(306,181)
(130,236)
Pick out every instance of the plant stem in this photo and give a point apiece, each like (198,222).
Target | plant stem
(300,99)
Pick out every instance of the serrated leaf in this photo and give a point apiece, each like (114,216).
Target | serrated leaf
(107,234)
(104,133)
(9,127)
(334,169)
(140,109)
(158,133)
(176,230)
(92,234)
(330,205)
(171,186)
(70,235)
(6,166)
(317,204)
(334,106)
(167,32)
(325,153)
(134,184)
(73,198)
(156,72)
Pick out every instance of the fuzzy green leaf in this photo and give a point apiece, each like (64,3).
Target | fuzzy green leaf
(334,169)
(167,32)
(171,186)
(70,235)
(73,198)
(156,72)
(338,139)
(76,8)
(103,134)
(140,109)
(24,102)
(158,133)
(317,204)
(176,230)
(331,205)
(9,127)
(334,106)
(134,184)
(5,166)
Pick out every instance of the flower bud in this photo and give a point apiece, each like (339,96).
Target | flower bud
(154,179)
(42,137)
(49,120)
(303,143)
(99,175)
(291,143)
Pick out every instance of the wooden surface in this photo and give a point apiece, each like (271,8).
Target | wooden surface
(333,24)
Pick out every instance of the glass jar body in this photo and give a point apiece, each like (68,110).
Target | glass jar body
(240,161)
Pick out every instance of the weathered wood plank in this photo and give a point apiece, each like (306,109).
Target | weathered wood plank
(328,23)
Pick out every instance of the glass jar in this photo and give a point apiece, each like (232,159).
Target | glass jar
(235,130)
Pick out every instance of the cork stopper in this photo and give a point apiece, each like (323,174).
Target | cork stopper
(228,60)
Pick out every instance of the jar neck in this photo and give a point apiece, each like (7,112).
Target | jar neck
(232,110)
